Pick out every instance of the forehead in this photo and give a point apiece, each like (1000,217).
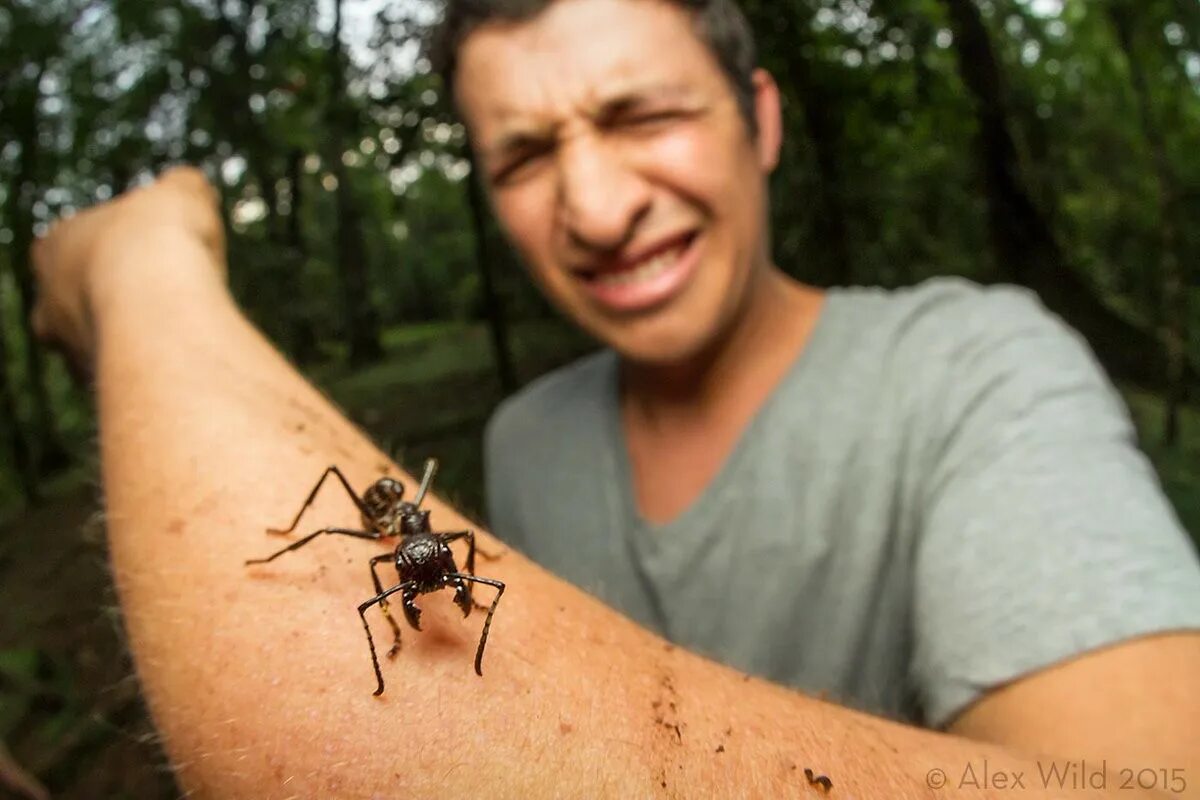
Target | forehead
(575,55)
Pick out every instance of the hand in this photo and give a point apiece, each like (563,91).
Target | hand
(74,260)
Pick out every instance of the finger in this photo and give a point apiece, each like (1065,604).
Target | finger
(190,179)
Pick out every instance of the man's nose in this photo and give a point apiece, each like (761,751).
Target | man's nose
(601,196)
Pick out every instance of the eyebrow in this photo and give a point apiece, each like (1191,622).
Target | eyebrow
(606,109)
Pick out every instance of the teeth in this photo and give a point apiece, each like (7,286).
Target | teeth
(646,270)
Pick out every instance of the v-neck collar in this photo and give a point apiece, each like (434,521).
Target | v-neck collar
(647,533)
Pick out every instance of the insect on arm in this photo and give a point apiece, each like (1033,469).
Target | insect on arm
(422,558)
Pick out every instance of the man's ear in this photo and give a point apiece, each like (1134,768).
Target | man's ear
(768,114)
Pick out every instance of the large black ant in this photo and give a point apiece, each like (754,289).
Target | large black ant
(422,558)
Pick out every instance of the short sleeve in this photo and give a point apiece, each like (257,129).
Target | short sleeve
(1044,530)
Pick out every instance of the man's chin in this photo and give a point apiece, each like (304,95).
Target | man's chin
(659,350)
(663,338)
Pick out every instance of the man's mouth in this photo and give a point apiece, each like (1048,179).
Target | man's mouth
(644,281)
(642,270)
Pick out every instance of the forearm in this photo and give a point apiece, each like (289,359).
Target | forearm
(260,678)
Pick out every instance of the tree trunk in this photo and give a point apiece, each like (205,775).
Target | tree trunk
(49,454)
(1174,294)
(494,307)
(785,37)
(300,328)
(11,436)
(362,321)
(1021,237)
(1024,245)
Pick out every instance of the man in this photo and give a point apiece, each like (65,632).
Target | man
(901,500)
(611,143)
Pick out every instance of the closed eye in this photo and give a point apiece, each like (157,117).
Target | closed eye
(515,164)
(645,119)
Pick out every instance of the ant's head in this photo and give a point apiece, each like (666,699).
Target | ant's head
(414,520)
(383,496)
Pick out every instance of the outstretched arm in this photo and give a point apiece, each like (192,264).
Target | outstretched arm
(260,679)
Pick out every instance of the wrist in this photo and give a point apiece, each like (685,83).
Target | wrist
(133,267)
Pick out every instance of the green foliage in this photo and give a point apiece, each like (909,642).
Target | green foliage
(879,184)
(1178,467)
(879,181)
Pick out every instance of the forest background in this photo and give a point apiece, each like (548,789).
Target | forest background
(1049,143)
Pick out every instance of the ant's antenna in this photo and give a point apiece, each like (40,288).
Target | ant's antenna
(431,466)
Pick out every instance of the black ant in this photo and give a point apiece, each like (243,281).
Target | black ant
(422,558)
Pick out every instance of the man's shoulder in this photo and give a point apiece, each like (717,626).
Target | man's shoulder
(923,311)
(946,325)
(1001,328)
(568,396)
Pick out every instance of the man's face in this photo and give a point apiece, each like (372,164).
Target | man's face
(618,162)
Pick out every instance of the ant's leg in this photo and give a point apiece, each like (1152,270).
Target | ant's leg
(472,550)
(484,554)
(312,495)
(362,613)
(301,542)
(462,592)
(447,538)
(383,605)
(487,623)
(411,612)
(462,596)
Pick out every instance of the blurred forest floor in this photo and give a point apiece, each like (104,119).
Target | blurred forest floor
(70,710)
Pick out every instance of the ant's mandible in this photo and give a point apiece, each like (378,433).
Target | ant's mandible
(422,558)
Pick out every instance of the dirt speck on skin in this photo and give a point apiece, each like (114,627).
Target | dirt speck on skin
(666,712)
(565,727)
(176,526)
(669,648)
(823,783)
(720,748)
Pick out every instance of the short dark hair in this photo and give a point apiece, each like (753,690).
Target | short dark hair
(719,24)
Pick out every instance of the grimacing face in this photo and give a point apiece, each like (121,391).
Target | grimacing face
(618,163)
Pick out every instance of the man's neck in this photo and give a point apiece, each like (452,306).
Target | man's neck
(681,422)
(741,368)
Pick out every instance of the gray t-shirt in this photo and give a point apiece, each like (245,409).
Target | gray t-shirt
(943,493)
